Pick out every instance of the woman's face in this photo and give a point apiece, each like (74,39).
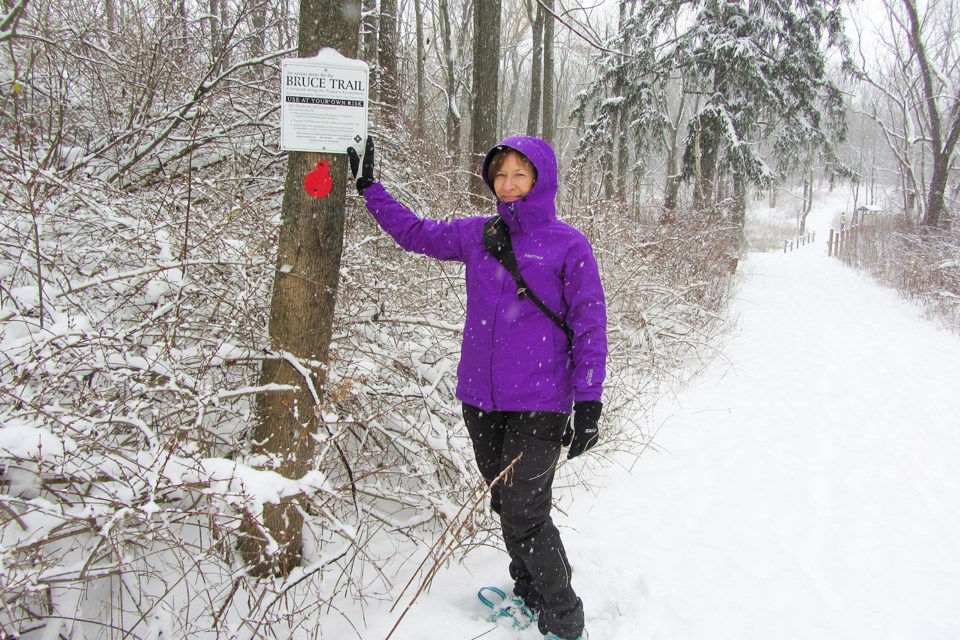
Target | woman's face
(514,178)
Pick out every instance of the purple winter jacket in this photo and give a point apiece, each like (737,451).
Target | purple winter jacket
(513,357)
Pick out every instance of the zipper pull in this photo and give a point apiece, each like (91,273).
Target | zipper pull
(521,293)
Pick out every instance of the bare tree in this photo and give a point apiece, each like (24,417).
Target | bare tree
(917,106)
(535,13)
(369,33)
(421,113)
(486,79)
(449,59)
(549,117)
(671,139)
(541,120)
(258,20)
(941,102)
(388,56)
(301,313)
(515,76)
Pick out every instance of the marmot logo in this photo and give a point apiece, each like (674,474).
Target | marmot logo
(533,256)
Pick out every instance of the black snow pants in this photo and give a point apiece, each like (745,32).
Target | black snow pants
(538,562)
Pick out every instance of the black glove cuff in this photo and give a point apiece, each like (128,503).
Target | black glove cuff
(587,410)
(363,183)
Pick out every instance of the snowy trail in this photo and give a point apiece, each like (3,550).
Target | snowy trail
(805,488)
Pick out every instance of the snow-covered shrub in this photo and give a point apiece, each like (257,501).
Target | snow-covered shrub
(767,232)
(922,263)
(667,282)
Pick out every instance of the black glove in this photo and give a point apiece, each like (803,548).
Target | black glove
(586,415)
(366,176)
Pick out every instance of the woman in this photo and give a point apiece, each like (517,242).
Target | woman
(520,375)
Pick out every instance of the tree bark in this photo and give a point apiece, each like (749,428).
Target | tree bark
(258,25)
(453,114)
(215,23)
(616,177)
(672,142)
(388,56)
(705,174)
(486,84)
(368,44)
(301,314)
(421,71)
(549,118)
(739,211)
(536,71)
(110,15)
(807,201)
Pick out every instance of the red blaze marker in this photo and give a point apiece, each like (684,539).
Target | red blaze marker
(318,182)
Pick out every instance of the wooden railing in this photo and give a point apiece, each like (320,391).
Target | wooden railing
(838,240)
(799,241)
(852,244)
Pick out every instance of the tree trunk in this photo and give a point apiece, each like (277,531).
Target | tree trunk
(258,25)
(486,84)
(388,56)
(621,128)
(421,72)
(536,72)
(674,175)
(549,118)
(225,18)
(705,176)
(219,16)
(807,201)
(708,177)
(180,16)
(370,31)
(738,213)
(607,168)
(301,315)
(938,186)
(215,23)
(110,15)
(453,114)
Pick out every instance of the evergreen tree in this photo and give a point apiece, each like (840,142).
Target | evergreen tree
(758,69)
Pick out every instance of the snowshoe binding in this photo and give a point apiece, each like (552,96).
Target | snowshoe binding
(507,611)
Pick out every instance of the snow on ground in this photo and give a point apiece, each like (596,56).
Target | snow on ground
(805,488)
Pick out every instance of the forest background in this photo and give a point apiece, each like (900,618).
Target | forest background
(228,408)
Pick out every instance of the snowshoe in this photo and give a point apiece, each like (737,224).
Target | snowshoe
(507,611)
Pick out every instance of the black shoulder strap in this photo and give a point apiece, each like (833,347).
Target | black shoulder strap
(496,240)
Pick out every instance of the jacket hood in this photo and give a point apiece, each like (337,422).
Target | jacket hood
(538,206)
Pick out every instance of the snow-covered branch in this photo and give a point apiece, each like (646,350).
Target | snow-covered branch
(8,21)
